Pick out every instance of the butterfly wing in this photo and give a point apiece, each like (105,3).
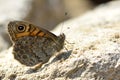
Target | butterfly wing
(42,33)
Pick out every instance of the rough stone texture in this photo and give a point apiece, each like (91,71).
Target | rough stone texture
(93,43)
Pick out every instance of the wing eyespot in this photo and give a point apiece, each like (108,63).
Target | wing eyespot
(21,28)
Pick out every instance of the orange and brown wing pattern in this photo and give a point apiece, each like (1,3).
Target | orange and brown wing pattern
(19,29)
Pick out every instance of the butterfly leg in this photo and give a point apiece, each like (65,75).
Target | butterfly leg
(34,68)
(37,66)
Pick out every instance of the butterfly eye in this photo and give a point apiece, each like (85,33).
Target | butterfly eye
(21,28)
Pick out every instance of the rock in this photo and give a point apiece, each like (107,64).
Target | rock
(93,50)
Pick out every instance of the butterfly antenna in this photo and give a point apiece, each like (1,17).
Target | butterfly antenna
(65,14)
(61,27)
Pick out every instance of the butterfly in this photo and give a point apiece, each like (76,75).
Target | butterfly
(33,45)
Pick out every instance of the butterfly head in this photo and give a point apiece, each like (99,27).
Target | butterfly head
(18,29)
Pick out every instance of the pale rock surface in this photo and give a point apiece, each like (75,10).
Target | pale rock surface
(93,43)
